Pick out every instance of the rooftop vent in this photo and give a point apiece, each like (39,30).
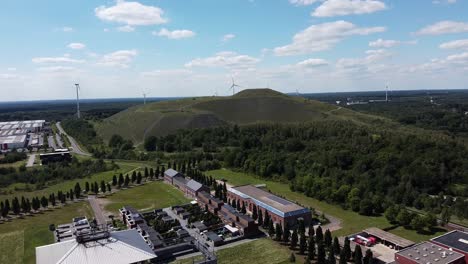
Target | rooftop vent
(425,255)
(436,259)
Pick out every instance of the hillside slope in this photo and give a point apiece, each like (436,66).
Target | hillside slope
(246,107)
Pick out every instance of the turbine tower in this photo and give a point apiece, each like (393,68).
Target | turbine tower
(386,93)
(77,86)
(233,86)
(144,98)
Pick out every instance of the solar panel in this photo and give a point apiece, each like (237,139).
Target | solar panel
(279,200)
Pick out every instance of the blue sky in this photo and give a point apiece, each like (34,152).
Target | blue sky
(193,47)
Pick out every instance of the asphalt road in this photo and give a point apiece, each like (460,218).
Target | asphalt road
(98,214)
(75,147)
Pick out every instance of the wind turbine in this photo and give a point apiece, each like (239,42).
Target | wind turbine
(233,86)
(386,93)
(144,98)
(77,86)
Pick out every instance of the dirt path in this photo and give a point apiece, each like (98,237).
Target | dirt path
(98,213)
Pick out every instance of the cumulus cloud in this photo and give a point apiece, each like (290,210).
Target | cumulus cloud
(332,8)
(323,37)
(225,59)
(312,63)
(444,1)
(228,37)
(444,27)
(372,62)
(56,69)
(131,13)
(67,29)
(126,28)
(120,58)
(8,76)
(175,34)
(303,2)
(76,46)
(388,43)
(64,59)
(456,44)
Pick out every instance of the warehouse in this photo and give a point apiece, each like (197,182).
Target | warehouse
(428,252)
(12,142)
(280,210)
(455,240)
(29,125)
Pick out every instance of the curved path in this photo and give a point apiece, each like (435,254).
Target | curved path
(74,144)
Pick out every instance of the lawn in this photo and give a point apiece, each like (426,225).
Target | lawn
(351,222)
(146,197)
(19,238)
(259,251)
(19,189)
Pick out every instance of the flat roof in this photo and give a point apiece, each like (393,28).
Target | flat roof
(389,237)
(271,202)
(455,239)
(121,247)
(13,139)
(428,252)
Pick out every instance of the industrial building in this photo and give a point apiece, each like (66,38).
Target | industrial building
(281,210)
(190,188)
(13,142)
(454,241)
(29,126)
(97,246)
(428,253)
(169,175)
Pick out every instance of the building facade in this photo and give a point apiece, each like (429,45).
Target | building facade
(280,210)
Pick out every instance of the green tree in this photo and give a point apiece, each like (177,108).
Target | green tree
(321,253)
(368,258)
(139,178)
(103,186)
(78,190)
(403,217)
(418,223)
(319,235)
(260,217)
(336,246)
(114,180)
(294,239)
(366,207)
(357,255)
(347,249)
(254,212)
(302,244)
(391,214)
(126,181)
(445,215)
(271,229)
(86,187)
(328,238)
(150,143)
(311,247)
(278,232)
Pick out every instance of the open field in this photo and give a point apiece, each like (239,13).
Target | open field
(145,197)
(351,222)
(33,231)
(19,189)
(259,251)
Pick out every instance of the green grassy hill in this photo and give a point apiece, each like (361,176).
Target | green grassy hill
(246,107)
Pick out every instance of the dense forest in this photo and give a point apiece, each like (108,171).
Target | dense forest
(338,162)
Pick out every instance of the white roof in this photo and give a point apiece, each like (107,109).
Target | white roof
(231,229)
(12,139)
(121,247)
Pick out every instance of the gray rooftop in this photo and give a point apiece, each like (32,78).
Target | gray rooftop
(194,185)
(171,172)
(455,239)
(428,252)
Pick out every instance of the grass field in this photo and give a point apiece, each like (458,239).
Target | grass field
(18,189)
(146,197)
(17,164)
(259,251)
(19,238)
(351,222)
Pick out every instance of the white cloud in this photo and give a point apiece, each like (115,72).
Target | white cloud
(126,28)
(64,59)
(67,29)
(56,69)
(131,13)
(323,37)
(444,1)
(11,69)
(8,76)
(312,63)
(175,34)
(228,37)
(121,58)
(303,2)
(332,8)
(76,46)
(388,43)
(224,59)
(444,27)
(372,62)
(456,44)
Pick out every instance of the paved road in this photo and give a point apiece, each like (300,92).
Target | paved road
(31,159)
(74,144)
(98,214)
